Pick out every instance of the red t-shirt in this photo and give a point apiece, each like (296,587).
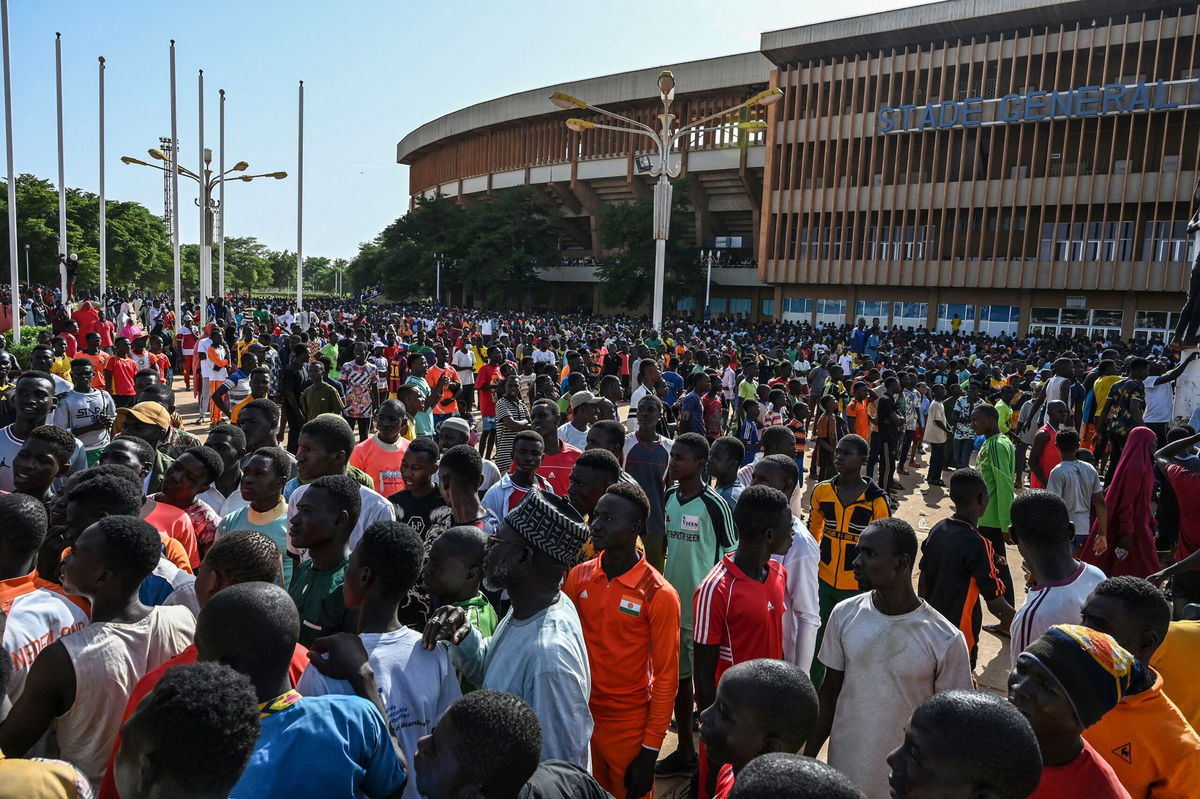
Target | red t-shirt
(487,377)
(739,614)
(1050,457)
(556,469)
(123,371)
(725,781)
(1186,484)
(105,329)
(1087,775)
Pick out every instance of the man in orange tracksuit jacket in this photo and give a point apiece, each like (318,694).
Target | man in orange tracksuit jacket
(630,619)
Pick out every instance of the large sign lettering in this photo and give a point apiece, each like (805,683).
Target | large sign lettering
(1086,101)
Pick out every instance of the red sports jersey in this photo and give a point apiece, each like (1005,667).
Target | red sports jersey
(739,614)
(556,469)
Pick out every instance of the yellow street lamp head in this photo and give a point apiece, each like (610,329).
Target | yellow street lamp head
(241,166)
(278,175)
(580,125)
(766,97)
(158,155)
(126,159)
(564,100)
(666,82)
(753,126)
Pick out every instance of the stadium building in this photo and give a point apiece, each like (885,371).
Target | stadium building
(1024,165)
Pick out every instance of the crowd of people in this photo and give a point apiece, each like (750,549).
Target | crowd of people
(444,552)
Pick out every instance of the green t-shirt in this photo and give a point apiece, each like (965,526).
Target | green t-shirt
(482,616)
(699,532)
(747,390)
(1005,413)
(997,464)
(423,420)
(318,597)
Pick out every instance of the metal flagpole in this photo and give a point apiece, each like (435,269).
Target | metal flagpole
(174,164)
(300,204)
(63,250)
(103,210)
(221,202)
(205,277)
(13,269)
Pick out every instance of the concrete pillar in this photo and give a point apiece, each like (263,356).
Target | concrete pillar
(932,302)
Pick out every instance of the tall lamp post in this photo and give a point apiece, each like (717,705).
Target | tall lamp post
(708,260)
(207,183)
(666,137)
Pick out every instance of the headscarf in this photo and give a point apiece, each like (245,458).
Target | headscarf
(1130,492)
(1093,670)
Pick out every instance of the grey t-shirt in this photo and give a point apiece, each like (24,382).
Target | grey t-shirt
(1076,482)
(79,409)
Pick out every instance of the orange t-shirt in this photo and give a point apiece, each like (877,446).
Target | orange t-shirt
(630,624)
(175,524)
(857,411)
(99,361)
(382,464)
(432,375)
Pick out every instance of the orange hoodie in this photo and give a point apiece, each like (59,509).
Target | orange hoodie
(1150,746)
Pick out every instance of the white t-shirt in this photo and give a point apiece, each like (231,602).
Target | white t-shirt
(574,436)
(1052,603)
(416,686)
(802,601)
(1160,396)
(1076,482)
(936,413)
(891,665)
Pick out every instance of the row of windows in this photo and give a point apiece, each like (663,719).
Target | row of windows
(1063,241)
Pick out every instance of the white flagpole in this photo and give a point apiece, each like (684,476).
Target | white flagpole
(63,250)
(205,284)
(221,202)
(300,205)
(103,210)
(13,269)
(174,165)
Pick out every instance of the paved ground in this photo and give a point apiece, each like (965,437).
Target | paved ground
(921,505)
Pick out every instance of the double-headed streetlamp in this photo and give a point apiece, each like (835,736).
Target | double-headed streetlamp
(666,137)
(207,183)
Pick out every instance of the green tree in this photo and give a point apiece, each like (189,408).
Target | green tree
(507,240)
(626,273)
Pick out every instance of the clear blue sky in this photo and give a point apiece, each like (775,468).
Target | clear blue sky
(373,70)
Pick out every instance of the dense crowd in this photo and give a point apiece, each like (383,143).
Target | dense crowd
(444,552)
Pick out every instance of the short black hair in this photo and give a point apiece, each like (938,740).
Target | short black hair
(987,410)
(395,553)
(1141,598)
(203,721)
(788,464)
(25,522)
(131,546)
(987,741)
(499,740)
(468,543)
(253,627)
(244,556)
(903,537)
(333,433)
(1069,440)
(786,701)
(428,446)
(1042,517)
(611,428)
(209,458)
(776,436)
(632,493)
(60,441)
(782,775)
(697,443)
(267,406)
(527,435)
(856,441)
(108,492)
(601,460)
(966,484)
(343,492)
(464,462)
(142,449)
(235,434)
(758,506)
(732,443)
(279,458)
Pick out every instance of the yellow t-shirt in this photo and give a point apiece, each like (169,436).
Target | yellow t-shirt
(1101,388)
(1175,661)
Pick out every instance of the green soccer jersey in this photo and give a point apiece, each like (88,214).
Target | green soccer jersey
(699,532)
(318,597)
(482,616)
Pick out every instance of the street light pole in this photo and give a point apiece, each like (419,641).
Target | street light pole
(28,282)
(221,203)
(708,258)
(437,292)
(666,137)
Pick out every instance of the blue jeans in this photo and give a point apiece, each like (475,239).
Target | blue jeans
(963,447)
